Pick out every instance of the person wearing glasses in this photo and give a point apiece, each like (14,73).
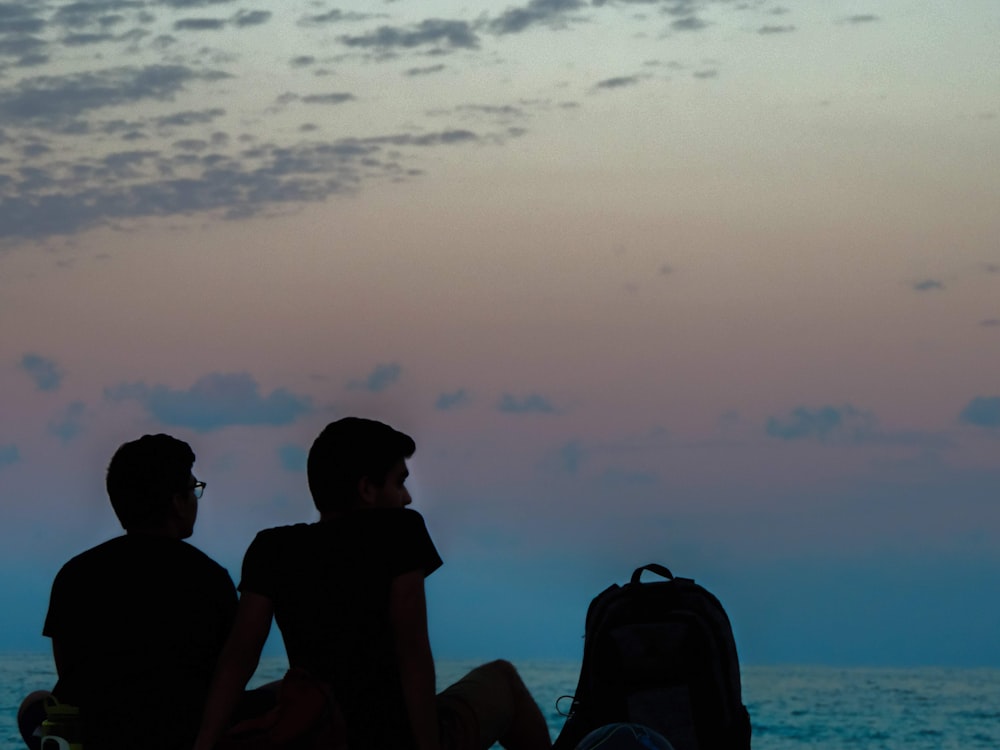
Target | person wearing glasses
(138,622)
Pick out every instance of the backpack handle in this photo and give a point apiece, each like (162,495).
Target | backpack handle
(660,570)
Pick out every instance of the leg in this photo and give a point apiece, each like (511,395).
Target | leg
(30,716)
(492,704)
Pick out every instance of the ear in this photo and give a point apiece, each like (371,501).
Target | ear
(177,503)
(367,491)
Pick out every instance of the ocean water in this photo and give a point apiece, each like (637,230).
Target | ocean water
(791,707)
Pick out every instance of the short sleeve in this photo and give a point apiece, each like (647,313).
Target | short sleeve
(260,565)
(59,605)
(412,547)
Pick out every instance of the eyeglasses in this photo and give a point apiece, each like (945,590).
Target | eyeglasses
(198,490)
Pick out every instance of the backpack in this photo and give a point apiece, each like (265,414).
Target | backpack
(662,655)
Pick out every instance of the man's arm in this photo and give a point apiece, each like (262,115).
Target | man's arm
(408,611)
(62,661)
(236,666)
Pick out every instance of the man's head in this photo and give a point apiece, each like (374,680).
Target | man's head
(358,462)
(151,486)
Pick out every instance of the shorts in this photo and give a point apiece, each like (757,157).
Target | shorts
(477,710)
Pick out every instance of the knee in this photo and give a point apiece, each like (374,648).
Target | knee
(504,669)
(505,672)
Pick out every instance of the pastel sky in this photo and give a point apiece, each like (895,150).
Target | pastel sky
(713,283)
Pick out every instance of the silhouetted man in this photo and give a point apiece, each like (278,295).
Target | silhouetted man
(137,623)
(348,595)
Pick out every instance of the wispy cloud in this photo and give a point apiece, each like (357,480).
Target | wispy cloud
(617,82)
(823,423)
(982,411)
(927,285)
(860,18)
(452,400)
(572,455)
(530,404)
(54,102)
(425,70)
(850,425)
(141,184)
(199,24)
(535,13)
(9,454)
(43,371)
(215,401)
(293,457)
(383,376)
(68,424)
(689,23)
(445,34)
(776,29)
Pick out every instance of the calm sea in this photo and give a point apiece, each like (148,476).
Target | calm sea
(792,708)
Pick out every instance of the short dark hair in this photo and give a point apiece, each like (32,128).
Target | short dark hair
(144,475)
(348,450)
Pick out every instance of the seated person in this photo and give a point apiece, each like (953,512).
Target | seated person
(137,623)
(347,593)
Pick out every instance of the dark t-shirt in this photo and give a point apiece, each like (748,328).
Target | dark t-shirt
(329,583)
(139,622)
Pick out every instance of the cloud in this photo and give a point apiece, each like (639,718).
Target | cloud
(433,31)
(825,423)
(199,24)
(452,400)
(982,411)
(9,454)
(861,18)
(63,199)
(775,29)
(333,16)
(378,379)
(927,285)
(293,457)
(530,404)
(333,98)
(426,70)
(536,12)
(616,477)
(187,118)
(45,372)
(990,322)
(689,23)
(251,18)
(20,18)
(69,423)
(215,401)
(572,455)
(617,82)
(53,102)
(194,3)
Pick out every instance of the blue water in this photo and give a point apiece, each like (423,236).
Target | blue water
(791,708)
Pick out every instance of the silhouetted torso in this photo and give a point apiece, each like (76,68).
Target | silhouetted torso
(139,621)
(329,583)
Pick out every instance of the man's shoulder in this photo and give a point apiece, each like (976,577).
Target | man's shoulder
(292,531)
(95,555)
(199,557)
(402,517)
